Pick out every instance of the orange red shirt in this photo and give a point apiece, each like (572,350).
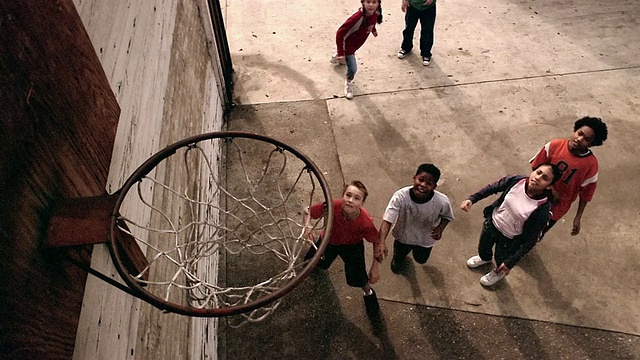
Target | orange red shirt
(579,174)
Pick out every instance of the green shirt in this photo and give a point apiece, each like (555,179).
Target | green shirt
(419,4)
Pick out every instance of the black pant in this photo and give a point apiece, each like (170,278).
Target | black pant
(400,251)
(427,19)
(355,269)
(491,236)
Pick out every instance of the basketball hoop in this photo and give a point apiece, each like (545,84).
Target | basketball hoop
(217,240)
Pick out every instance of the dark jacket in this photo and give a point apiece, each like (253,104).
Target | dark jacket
(533,226)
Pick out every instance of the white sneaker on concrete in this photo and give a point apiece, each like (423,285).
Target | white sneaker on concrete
(335,59)
(348,89)
(475,261)
(491,278)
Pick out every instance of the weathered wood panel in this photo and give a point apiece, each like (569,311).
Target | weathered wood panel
(155,54)
(58,122)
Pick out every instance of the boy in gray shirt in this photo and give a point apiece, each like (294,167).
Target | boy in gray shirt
(419,214)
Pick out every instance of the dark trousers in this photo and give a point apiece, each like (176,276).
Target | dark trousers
(355,269)
(400,251)
(427,19)
(490,237)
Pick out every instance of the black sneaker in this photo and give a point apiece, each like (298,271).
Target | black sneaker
(371,304)
(402,53)
(426,60)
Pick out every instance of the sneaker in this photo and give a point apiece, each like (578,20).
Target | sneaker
(371,303)
(335,60)
(348,89)
(491,278)
(475,261)
(402,53)
(396,266)
(426,60)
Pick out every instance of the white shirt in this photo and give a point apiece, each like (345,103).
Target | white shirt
(413,221)
(510,216)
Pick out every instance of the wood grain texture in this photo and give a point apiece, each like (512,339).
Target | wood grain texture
(59,119)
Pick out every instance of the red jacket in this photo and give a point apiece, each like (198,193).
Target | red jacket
(354,32)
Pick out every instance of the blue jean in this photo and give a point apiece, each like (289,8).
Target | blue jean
(427,19)
(352,66)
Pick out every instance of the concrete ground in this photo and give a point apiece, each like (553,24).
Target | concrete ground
(505,78)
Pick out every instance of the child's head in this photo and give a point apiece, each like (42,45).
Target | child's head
(354,195)
(425,180)
(369,7)
(543,176)
(587,132)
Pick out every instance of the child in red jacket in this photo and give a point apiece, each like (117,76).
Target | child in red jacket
(352,35)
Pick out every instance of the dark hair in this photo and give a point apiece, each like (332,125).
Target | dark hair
(597,125)
(379,10)
(358,184)
(429,169)
(557,174)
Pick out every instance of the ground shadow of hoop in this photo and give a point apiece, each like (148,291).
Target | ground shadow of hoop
(309,324)
(443,330)
(523,333)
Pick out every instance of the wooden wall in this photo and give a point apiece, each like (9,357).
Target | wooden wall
(81,108)
(156,54)
(58,119)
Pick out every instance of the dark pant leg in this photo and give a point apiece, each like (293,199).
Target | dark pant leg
(427,24)
(355,269)
(329,256)
(411,17)
(487,240)
(421,254)
(505,247)
(400,251)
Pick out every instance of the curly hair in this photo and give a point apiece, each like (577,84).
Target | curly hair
(597,125)
(429,169)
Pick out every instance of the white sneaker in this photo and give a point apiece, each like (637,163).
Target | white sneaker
(475,261)
(348,89)
(401,54)
(426,61)
(337,60)
(491,278)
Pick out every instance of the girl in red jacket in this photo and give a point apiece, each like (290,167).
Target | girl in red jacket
(352,35)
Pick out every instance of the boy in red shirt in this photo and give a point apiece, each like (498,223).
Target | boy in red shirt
(351,224)
(578,165)
(352,35)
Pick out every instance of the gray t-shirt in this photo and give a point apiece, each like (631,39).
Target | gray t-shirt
(412,221)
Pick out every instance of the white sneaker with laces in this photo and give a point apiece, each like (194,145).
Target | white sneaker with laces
(426,61)
(491,278)
(348,89)
(475,261)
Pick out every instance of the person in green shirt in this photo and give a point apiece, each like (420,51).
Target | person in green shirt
(415,10)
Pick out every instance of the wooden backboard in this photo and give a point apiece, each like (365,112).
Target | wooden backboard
(58,123)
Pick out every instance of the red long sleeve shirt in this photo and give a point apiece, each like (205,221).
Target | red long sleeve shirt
(354,32)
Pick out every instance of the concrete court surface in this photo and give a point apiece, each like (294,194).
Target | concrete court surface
(506,77)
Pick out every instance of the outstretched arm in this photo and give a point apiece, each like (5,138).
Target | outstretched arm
(380,248)
(576,221)
(374,271)
(466,205)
